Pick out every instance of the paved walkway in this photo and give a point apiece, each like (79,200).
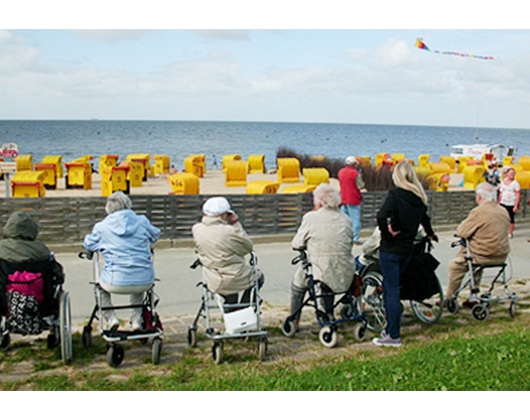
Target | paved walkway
(180,298)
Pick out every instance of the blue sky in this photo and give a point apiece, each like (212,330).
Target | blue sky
(301,68)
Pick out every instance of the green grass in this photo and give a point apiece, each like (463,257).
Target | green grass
(456,354)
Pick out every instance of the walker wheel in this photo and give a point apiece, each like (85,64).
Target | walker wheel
(328,337)
(86,337)
(288,328)
(192,337)
(359,332)
(513,309)
(6,340)
(156,351)
(52,341)
(262,349)
(480,312)
(452,305)
(115,355)
(217,352)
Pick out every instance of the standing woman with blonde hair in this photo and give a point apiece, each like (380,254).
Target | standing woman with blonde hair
(404,209)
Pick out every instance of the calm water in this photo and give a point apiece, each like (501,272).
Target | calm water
(179,139)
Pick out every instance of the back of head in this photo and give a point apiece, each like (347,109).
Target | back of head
(21,225)
(327,196)
(118,201)
(486,191)
(405,177)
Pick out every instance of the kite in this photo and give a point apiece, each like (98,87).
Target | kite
(421,45)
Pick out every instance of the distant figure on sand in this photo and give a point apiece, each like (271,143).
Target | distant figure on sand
(351,184)
(214,162)
(173,170)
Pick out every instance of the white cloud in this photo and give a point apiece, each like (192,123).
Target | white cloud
(110,35)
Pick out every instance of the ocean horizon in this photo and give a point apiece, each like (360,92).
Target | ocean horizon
(178,139)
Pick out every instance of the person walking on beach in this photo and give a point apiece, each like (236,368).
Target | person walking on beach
(510,196)
(351,184)
(214,162)
(404,209)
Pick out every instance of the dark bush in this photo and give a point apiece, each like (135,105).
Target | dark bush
(375,179)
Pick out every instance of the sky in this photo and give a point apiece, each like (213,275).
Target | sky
(306,62)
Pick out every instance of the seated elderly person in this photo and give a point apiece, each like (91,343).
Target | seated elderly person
(326,233)
(486,228)
(223,248)
(19,245)
(124,238)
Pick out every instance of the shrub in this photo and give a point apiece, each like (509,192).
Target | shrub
(375,179)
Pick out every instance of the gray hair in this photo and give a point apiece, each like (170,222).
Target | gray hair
(326,195)
(118,201)
(486,191)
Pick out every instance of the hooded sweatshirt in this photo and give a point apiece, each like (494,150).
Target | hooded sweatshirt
(124,238)
(19,242)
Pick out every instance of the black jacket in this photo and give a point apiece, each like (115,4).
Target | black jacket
(405,211)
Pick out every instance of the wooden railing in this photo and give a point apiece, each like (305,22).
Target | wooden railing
(68,220)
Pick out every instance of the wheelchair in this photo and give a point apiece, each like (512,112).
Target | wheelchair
(481,309)
(240,320)
(32,300)
(318,292)
(152,326)
(420,287)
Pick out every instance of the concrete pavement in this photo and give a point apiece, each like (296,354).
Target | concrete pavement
(179,295)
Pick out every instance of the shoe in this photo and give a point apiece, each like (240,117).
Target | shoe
(136,325)
(386,341)
(437,303)
(470,303)
(113,323)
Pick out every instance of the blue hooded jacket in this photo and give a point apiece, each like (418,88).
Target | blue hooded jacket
(124,238)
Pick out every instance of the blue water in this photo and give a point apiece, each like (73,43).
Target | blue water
(178,139)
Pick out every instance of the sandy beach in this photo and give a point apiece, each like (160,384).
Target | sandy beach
(212,183)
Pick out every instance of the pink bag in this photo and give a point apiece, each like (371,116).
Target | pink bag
(30,284)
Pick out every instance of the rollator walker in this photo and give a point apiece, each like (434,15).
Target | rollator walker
(152,326)
(240,320)
(480,310)
(32,300)
(319,298)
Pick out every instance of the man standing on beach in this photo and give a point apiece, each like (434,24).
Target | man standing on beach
(351,184)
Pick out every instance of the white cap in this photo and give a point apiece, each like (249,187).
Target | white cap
(351,160)
(216,206)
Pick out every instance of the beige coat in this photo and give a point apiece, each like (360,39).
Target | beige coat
(486,227)
(327,236)
(223,250)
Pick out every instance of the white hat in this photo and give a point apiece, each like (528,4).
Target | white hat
(351,160)
(216,206)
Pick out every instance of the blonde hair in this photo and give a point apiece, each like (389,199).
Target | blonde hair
(405,177)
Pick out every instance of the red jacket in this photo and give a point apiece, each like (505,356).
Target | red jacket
(349,191)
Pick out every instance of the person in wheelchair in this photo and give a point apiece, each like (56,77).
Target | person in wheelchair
(124,238)
(20,246)
(222,246)
(487,229)
(370,248)
(327,235)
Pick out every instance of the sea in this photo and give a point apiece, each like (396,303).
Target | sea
(179,139)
